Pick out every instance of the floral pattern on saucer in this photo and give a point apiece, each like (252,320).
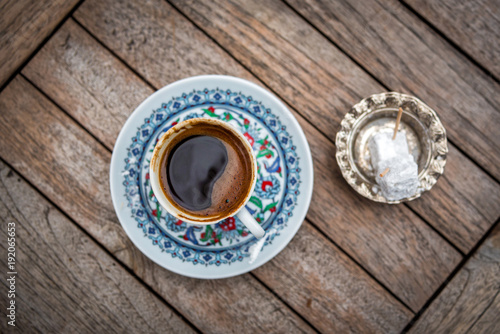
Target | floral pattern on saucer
(272,201)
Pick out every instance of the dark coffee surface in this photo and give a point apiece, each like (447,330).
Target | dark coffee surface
(194,166)
(200,177)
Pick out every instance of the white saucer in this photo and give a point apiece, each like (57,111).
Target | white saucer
(280,200)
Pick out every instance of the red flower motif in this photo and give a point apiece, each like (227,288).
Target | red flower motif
(203,235)
(185,237)
(279,169)
(273,209)
(228,225)
(266,142)
(211,109)
(268,156)
(147,176)
(228,117)
(179,222)
(244,233)
(265,184)
(263,147)
(250,138)
(246,121)
(174,123)
(155,213)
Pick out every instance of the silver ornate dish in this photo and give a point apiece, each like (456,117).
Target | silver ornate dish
(425,134)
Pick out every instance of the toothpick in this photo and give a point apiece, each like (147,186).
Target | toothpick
(384,172)
(398,119)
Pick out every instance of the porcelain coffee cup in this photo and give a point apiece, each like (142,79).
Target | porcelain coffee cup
(168,203)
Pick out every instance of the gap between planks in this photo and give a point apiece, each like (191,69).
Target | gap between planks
(127,269)
(140,76)
(450,277)
(41,45)
(449,41)
(359,265)
(283,301)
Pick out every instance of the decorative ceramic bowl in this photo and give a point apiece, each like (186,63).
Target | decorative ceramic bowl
(425,134)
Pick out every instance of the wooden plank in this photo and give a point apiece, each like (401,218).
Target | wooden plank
(406,55)
(321,83)
(472,25)
(403,238)
(470,303)
(71,168)
(24,24)
(66,282)
(337,312)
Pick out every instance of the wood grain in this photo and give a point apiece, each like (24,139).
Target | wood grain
(334,295)
(472,25)
(24,24)
(59,268)
(406,55)
(350,302)
(71,168)
(72,40)
(470,303)
(402,239)
(78,61)
(321,83)
(179,51)
(392,316)
(463,205)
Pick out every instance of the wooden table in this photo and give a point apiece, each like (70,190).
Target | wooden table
(71,72)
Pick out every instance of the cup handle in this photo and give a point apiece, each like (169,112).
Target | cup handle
(248,220)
